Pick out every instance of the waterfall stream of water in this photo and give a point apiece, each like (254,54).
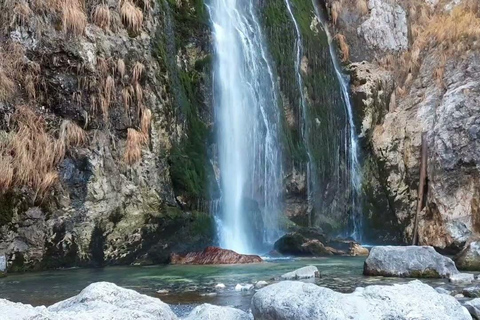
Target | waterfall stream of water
(248,121)
(353,161)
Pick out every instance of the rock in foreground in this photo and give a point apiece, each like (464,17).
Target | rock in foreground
(469,258)
(304,301)
(214,255)
(208,312)
(99,301)
(302,273)
(411,261)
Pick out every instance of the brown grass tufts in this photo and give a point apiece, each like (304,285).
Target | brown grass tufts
(21,13)
(133,150)
(137,71)
(361,6)
(132,16)
(145,122)
(335,11)
(344,48)
(121,67)
(101,16)
(138,94)
(74,19)
(7,86)
(127,96)
(72,134)
(30,155)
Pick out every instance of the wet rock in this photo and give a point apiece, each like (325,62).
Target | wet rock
(208,312)
(302,273)
(469,257)
(3,265)
(302,301)
(461,278)
(261,284)
(473,306)
(163,291)
(472,292)
(312,242)
(220,286)
(214,255)
(244,287)
(442,290)
(101,300)
(410,261)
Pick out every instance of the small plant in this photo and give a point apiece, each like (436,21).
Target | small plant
(127,94)
(101,16)
(121,67)
(132,16)
(137,71)
(361,6)
(344,48)
(72,134)
(7,86)
(335,11)
(133,151)
(145,122)
(73,18)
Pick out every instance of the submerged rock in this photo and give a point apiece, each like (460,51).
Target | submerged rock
(472,292)
(302,273)
(209,312)
(3,265)
(473,306)
(469,257)
(410,261)
(261,284)
(220,286)
(301,301)
(101,300)
(244,287)
(214,255)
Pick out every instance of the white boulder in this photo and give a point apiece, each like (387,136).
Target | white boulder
(302,273)
(209,312)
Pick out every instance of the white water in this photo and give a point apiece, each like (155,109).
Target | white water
(355,174)
(248,124)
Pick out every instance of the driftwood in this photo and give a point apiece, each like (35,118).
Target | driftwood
(421,186)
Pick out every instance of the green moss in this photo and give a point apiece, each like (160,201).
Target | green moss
(427,273)
(183,24)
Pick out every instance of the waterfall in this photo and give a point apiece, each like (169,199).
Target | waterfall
(248,126)
(354,165)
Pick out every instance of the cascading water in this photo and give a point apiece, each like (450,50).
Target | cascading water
(353,161)
(248,122)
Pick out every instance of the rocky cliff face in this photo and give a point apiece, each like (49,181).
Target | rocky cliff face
(104,131)
(420,75)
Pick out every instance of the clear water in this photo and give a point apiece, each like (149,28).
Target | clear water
(188,286)
(246,110)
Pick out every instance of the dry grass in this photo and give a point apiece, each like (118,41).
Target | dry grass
(74,19)
(29,156)
(133,150)
(137,72)
(344,48)
(145,122)
(72,134)
(127,96)
(101,16)
(21,13)
(132,16)
(335,11)
(361,6)
(7,86)
(121,67)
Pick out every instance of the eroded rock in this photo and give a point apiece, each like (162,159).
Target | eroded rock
(208,312)
(469,257)
(214,255)
(304,301)
(409,261)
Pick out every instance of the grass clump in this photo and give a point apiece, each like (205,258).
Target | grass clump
(101,16)
(132,16)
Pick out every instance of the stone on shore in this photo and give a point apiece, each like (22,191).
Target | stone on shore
(469,257)
(214,255)
(209,312)
(260,284)
(244,287)
(99,301)
(302,273)
(305,301)
(409,261)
